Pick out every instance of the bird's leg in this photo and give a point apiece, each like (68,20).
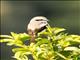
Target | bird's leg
(32,35)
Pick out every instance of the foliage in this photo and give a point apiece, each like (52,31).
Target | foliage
(51,44)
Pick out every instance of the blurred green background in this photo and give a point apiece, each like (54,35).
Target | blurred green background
(15,15)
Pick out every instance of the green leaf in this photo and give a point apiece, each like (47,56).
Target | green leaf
(24,36)
(20,36)
(14,35)
(18,49)
(6,36)
(72,49)
(20,55)
(62,56)
(6,40)
(64,43)
(42,41)
(57,30)
(76,38)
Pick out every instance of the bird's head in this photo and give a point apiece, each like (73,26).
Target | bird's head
(39,20)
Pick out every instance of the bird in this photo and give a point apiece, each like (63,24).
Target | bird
(36,25)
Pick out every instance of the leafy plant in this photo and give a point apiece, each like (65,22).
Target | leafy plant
(51,44)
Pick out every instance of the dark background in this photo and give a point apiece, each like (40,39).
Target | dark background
(15,15)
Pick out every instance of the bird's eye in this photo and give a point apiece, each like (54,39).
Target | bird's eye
(39,19)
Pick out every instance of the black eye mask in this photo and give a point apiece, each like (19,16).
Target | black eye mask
(39,19)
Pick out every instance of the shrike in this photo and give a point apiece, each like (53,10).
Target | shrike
(36,25)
